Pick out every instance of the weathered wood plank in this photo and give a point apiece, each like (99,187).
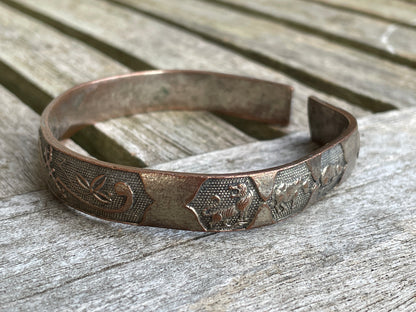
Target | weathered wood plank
(363,240)
(18,147)
(352,251)
(342,247)
(19,153)
(82,246)
(54,62)
(354,75)
(254,156)
(163,46)
(395,11)
(370,34)
(158,137)
(33,223)
(45,245)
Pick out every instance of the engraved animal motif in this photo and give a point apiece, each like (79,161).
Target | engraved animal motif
(330,173)
(220,214)
(286,193)
(245,199)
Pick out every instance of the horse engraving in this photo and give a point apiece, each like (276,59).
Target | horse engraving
(330,173)
(286,193)
(219,213)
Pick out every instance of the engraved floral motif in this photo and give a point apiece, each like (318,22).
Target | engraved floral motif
(94,187)
(47,158)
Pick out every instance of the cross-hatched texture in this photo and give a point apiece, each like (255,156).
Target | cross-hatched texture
(97,190)
(226,204)
(332,168)
(291,192)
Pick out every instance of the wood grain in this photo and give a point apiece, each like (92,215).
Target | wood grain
(254,156)
(166,47)
(54,62)
(67,245)
(383,38)
(398,12)
(351,251)
(18,147)
(19,153)
(354,250)
(353,75)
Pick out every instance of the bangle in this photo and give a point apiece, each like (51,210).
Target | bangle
(191,201)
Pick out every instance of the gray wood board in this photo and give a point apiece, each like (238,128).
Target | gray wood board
(19,152)
(166,47)
(371,34)
(55,62)
(254,156)
(398,12)
(18,147)
(81,246)
(351,251)
(354,75)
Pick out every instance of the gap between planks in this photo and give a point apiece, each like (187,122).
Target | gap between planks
(333,24)
(341,253)
(47,75)
(87,225)
(400,13)
(319,63)
(194,57)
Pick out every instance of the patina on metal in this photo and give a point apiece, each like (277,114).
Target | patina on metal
(200,202)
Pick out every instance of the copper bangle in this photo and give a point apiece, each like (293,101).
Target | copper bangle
(191,201)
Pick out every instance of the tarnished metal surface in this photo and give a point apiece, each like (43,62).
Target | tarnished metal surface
(222,202)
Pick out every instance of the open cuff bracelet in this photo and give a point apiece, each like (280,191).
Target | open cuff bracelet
(192,201)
